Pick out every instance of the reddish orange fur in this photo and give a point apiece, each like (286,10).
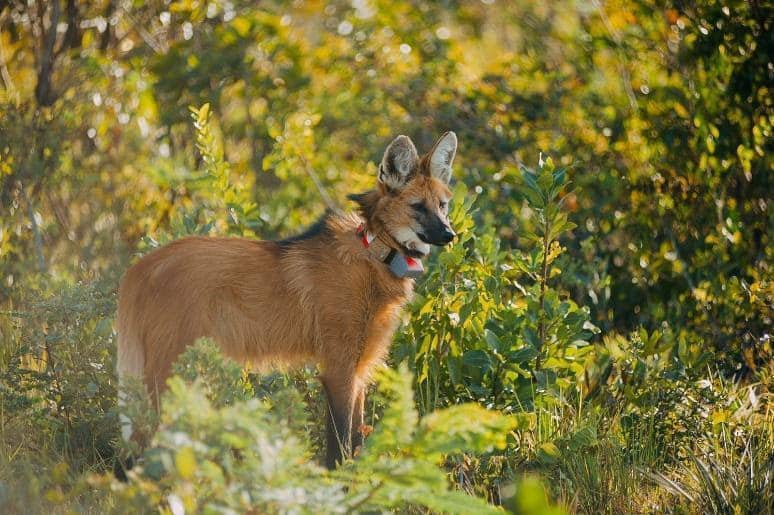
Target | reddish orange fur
(322,299)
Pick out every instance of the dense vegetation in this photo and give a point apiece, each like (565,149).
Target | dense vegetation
(597,339)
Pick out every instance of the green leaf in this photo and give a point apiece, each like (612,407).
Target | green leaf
(493,341)
(185,462)
(478,359)
(523,355)
(560,176)
(532,498)
(583,438)
(548,453)
(531,337)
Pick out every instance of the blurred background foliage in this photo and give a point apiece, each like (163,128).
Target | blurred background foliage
(616,299)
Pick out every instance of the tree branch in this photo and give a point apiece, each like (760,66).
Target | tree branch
(43,91)
(4,73)
(625,77)
(38,238)
(318,184)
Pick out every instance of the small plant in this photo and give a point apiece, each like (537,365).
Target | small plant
(222,204)
(225,381)
(553,326)
(57,377)
(220,448)
(478,330)
(730,468)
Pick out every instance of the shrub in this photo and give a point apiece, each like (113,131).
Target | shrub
(56,382)
(220,448)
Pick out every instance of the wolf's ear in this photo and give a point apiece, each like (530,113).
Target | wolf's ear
(399,163)
(442,157)
(366,202)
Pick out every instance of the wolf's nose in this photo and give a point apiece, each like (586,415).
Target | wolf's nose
(448,234)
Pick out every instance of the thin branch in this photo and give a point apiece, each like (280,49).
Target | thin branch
(38,238)
(144,34)
(4,73)
(626,78)
(319,185)
(105,39)
(679,257)
(43,91)
(543,283)
(72,38)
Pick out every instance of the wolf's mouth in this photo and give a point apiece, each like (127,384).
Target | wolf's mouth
(413,253)
(410,248)
(424,238)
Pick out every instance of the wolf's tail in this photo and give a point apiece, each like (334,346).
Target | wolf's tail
(130,364)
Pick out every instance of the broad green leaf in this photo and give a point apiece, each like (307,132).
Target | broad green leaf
(477,358)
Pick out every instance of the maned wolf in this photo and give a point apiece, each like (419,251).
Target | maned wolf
(331,295)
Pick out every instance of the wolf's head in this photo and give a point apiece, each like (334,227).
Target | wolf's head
(410,206)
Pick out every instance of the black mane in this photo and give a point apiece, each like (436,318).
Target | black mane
(316,229)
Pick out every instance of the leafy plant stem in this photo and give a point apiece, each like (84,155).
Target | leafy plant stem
(57,386)
(543,282)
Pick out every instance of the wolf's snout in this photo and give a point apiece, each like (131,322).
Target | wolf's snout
(438,236)
(447,235)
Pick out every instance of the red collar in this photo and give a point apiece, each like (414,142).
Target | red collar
(365,235)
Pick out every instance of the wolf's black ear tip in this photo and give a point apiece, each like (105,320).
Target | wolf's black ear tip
(360,198)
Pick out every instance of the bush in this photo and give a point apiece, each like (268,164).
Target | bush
(56,384)
(220,448)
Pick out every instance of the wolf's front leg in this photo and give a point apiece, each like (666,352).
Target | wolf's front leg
(340,392)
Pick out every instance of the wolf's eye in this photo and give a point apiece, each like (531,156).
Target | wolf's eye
(419,207)
(443,205)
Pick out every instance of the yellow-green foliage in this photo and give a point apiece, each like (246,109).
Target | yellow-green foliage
(214,453)
(607,304)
